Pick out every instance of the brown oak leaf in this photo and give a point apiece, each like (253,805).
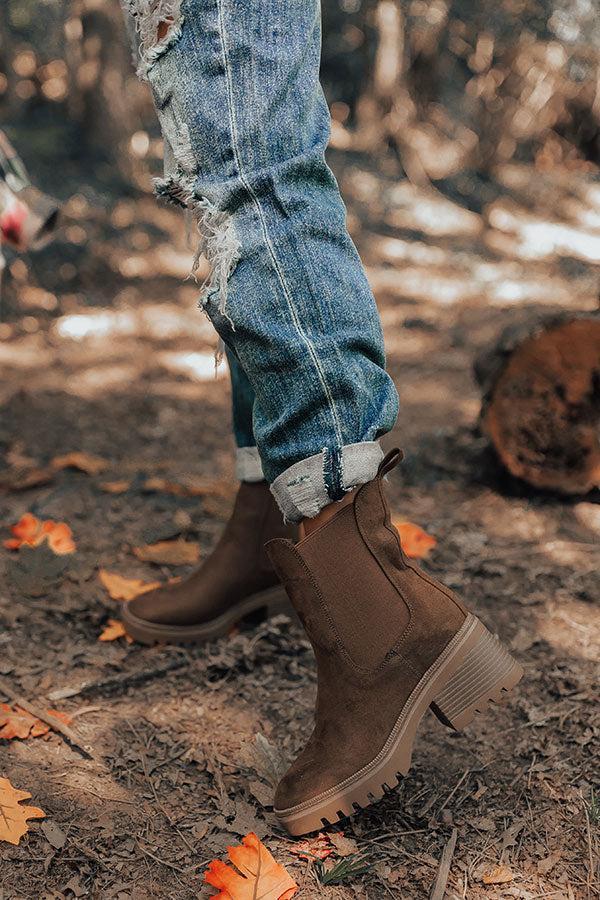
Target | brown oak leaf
(121,588)
(169,553)
(256,874)
(13,816)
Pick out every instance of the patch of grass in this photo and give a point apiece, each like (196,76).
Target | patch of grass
(343,871)
(593,805)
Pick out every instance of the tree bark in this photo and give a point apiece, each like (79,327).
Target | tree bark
(541,400)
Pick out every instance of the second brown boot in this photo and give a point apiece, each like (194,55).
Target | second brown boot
(389,643)
(236,580)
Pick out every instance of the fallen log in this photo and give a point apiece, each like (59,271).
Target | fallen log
(540,385)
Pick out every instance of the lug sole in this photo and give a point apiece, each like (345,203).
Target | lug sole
(272,601)
(474,670)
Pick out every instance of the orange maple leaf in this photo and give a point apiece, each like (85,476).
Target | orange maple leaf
(169,553)
(416,543)
(18,723)
(498,875)
(260,875)
(31,532)
(121,588)
(60,537)
(78,459)
(114,630)
(28,530)
(114,487)
(13,816)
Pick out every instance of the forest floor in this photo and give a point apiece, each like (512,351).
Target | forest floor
(104,352)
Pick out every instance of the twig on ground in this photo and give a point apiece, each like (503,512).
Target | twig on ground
(591,876)
(85,710)
(119,682)
(87,790)
(55,724)
(454,790)
(159,804)
(441,881)
(163,862)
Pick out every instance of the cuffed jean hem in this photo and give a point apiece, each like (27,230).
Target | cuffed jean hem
(305,488)
(248,466)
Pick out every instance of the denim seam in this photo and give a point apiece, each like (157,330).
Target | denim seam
(276,265)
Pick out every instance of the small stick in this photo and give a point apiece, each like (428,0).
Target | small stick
(441,881)
(453,791)
(119,682)
(79,787)
(591,876)
(157,859)
(53,723)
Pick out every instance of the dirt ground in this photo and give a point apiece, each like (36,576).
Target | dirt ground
(104,351)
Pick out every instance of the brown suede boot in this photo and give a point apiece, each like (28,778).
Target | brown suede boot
(389,642)
(235,580)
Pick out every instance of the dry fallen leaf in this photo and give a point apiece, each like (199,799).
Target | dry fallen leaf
(114,487)
(17,458)
(416,543)
(60,537)
(114,630)
(545,866)
(23,478)
(190,487)
(257,875)
(24,471)
(498,875)
(18,723)
(342,845)
(121,588)
(163,486)
(13,816)
(169,553)
(28,530)
(63,717)
(318,847)
(31,532)
(85,462)
(323,845)
(53,834)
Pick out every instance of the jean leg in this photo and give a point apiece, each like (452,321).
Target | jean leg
(246,126)
(248,466)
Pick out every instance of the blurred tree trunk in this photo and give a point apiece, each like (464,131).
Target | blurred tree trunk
(540,383)
(486,81)
(99,60)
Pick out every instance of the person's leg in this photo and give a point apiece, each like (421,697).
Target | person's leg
(246,124)
(248,466)
(236,85)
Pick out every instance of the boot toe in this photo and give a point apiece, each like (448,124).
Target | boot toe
(304,781)
(152,606)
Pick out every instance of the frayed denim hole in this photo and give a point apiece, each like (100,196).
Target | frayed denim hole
(217,239)
(158,24)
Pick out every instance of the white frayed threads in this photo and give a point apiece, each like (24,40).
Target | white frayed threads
(221,248)
(158,24)
(217,243)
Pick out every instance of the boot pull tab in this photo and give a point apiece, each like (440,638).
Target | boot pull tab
(390,461)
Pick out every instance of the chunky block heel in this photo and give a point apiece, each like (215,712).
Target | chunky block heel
(484,675)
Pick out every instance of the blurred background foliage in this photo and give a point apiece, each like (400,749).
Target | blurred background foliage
(443,87)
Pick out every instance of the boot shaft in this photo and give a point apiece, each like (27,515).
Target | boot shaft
(255,519)
(358,595)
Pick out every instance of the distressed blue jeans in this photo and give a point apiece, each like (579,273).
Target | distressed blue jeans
(245,126)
